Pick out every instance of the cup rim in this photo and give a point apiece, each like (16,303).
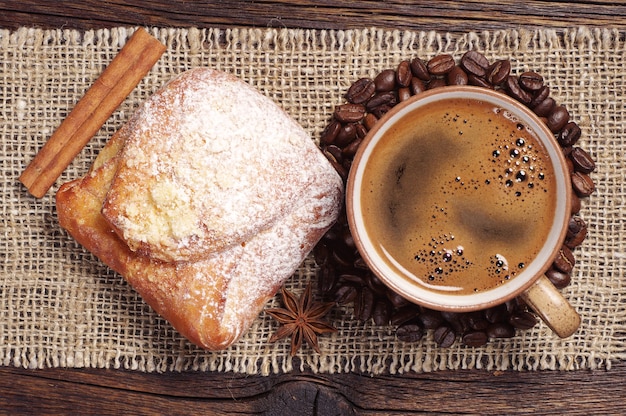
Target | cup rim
(483,299)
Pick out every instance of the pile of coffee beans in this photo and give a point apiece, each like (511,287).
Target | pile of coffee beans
(345,278)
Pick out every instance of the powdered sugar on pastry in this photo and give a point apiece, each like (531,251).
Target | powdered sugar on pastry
(210,163)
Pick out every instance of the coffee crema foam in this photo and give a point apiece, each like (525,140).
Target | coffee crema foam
(464,202)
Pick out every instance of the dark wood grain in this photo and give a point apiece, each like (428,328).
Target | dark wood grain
(453,16)
(62,391)
(89,391)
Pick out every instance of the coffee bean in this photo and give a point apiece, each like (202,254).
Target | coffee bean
(475,338)
(569,134)
(457,76)
(381,110)
(346,134)
(496,314)
(478,81)
(440,64)
(513,88)
(558,278)
(336,151)
(575,204)
(430,319)
(500,330)
(498,72)
(436,83)
(404,74)
(405,314)
(404,94)
(477,321)
(576,227)
(544,108)
(396,300)
(523,320)
(558,118)
(361,91)
(369,121)
(419,69)
(475,63)
(531,81)
(565,260)
(330,133)
(417,85)
(350,150)
(583,162)
(582,184)
(381,313)
(573,240)
(382,98)
(349,113)
(345,294)
(456,320)
(410,332)
(539,96)
(343,172)
(444,336)
(385,80)
(364,304)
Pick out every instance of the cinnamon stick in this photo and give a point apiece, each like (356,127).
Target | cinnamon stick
(111,88)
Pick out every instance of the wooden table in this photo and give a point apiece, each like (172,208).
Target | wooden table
(89,391)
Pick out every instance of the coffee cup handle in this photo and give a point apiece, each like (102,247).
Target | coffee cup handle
(552,307)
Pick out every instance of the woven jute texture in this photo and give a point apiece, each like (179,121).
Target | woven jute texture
(61,307)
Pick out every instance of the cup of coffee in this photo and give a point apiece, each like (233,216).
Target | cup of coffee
(458,200)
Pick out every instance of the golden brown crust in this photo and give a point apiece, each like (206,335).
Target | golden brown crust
(213,298)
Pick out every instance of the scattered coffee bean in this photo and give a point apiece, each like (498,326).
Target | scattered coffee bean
(583,162)
(410,332)
(575,204)
(404,94)
(346,134)
(496,314)
(500,330)
(539,96)
(430,319)
(564,260)
(498,72)
(364,304)
(523,320)
(419,69)
(404,74)
(361,91)
(369,121)
(531,81)
(478,81)
(436,83)
(349,113)
(457,76)
(582,184)
(475,338)
(475,63)
(405,314)
(569,135)
(385,81)
(382,98)
(441,64)
(444,336)
(558,118)
(330,133)
(516,91)
(544,108)
(417,85)
(558,278)
(576,232)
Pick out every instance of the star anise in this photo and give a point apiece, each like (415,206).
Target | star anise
(301,318)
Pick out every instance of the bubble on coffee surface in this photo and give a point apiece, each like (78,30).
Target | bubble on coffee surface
(442,257)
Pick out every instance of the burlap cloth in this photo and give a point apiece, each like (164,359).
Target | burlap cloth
(61,307)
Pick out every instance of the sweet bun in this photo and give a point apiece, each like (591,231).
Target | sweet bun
(206,201)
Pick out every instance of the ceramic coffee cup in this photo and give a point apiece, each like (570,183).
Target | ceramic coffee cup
(459,199)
